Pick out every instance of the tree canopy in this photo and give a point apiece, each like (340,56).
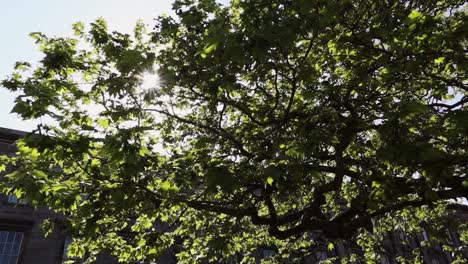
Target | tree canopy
(271,121)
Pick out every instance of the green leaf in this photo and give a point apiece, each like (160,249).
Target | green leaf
(95,163)
(165,185)
(104,123)
(22,66)
(78,28)
(270,180)
(39,174)
(209,49)
(415,14)
(144,151)
(439,60)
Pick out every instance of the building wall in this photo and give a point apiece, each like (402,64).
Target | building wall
(16,216)
(25,219)
(35,247)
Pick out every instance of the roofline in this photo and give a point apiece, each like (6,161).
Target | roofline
(11,134)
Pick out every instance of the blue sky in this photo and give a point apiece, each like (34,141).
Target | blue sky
(18,18)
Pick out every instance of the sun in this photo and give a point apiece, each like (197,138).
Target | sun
(149,80)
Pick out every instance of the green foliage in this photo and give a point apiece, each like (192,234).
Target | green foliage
(272,120)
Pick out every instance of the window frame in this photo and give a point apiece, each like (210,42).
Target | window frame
(16,244)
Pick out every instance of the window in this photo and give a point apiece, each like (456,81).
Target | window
(266,253)
(402,236)
(10,246)
(425,236)
(386,260)
(450,237)
(321,255)
(12,199)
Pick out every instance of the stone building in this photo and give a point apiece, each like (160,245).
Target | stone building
(21,237)
(22,240)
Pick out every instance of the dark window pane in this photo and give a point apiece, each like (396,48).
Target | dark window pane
(3,250)
(17,236)
(12,199)
(8,248)
(12,260)
(15,250)
(10,237)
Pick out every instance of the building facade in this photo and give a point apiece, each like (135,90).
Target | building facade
(21,237)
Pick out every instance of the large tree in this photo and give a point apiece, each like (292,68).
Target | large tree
(271,121)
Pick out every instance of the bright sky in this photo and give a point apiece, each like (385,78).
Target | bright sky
(54,18)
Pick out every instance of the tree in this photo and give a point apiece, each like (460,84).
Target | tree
(272,120)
